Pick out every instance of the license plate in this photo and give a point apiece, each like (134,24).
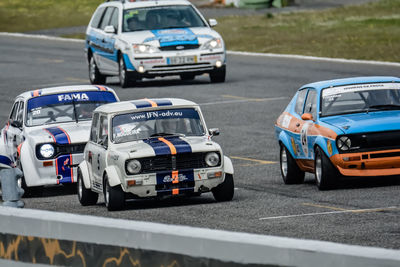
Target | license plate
(182,60)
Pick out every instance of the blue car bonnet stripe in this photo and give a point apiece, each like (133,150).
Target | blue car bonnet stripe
(163,148)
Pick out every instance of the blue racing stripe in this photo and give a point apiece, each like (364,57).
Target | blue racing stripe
(5,160)
(162,102)
(59,135)
(181,146)
(64,169)
(160,148)
(141,103)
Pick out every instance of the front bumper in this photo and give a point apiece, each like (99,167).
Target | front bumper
(162,183)
(60,170)
(175,63)
(375,163)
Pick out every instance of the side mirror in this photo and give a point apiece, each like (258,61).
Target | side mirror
(214,131)
(16,124)
(213,22)
(307,117)
(109,29)
(104,141)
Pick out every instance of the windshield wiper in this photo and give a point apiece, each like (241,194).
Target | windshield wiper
(384,107)
(166,134)
(76,114)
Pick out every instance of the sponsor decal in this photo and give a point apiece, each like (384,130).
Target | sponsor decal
(329,146)
(286,121)
(303,138)
(169,179)
(328,92)
(171,37)
(70,97)
(294,146)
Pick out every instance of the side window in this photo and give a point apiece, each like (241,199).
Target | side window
(311,103)
(14,111)
(106,18)
(97,17)
(94,129)
(20,113)
(301,96)
(103,131)
(114,19)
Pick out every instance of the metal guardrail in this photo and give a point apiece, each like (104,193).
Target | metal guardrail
(68,239)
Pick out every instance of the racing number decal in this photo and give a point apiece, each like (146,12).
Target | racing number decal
(303,138)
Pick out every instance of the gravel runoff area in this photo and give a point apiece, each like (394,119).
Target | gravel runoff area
(211,10)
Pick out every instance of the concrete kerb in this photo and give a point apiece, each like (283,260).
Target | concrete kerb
(226,246)
(243,53)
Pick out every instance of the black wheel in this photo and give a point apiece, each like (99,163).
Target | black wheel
(95,76)
(290,171)
(114,197)
(187,77)
(86,196)
(326,174)
(30,191)
(218,75)
(125,79)
(224,191)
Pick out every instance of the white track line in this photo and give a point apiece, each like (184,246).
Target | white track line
(339,60)
(327,212)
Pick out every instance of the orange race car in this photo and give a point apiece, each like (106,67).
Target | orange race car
(344,127)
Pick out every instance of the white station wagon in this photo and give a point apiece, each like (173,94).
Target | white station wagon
(47,131)
(146,39)
(152,148)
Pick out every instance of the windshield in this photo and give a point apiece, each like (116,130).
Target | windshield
(149,124)
(65,107)
(162,17)
(360,98)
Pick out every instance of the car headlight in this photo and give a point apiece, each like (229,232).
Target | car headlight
(212,159)
(133,166)
(47,151)
(144,49)
(344,143)
(213,44)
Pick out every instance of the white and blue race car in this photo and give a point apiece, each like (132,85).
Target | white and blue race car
(145,39)
(47,131)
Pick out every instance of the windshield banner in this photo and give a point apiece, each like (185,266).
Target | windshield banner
(58,99)
(156,114)
(359,88)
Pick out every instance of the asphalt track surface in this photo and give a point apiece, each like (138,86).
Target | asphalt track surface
(245,107)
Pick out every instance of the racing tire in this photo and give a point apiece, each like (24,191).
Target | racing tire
(325,173)
(125,78)
(85,196)
(225,190)
(30,191)
(187,77)
(114,197)
(218,75)
(291,173)
(95,76)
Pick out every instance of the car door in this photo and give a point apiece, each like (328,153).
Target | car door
(99,151)
(107,55)
(91,146)
(307,132)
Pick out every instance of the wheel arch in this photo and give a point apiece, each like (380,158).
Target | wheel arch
(113,176)
(84,168)
(285,141)
(228,166)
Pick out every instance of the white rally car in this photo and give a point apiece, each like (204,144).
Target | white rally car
(47,131)
(145,39)
(152,148)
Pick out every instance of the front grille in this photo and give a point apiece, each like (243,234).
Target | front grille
(374,141)
(170,186)
(179,47)
(174,162)
(62,150)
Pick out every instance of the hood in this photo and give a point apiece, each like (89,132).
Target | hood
(163,146)
(68,133)
(167,37)
(366,122)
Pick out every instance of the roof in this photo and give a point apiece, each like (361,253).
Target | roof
(64,89)
(127,4)
(349,81)
(144,104)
